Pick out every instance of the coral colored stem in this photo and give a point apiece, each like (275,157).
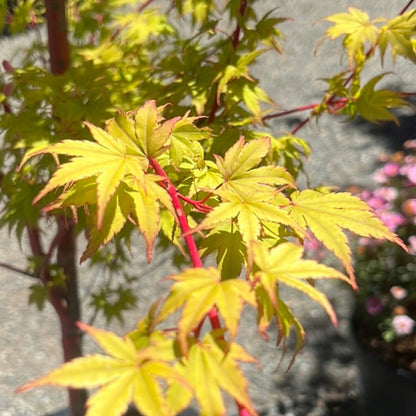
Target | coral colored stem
(295,110)
(406,7)
(180,214)
(183,223)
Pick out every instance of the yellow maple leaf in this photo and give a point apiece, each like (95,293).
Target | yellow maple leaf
(327,215)
(356,28)
(211,369)
(126,375)
(197,291)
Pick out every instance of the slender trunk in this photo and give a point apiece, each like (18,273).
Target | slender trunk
(71,335)
(57,36)
(67,303)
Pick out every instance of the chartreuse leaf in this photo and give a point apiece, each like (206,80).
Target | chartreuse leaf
(398,34)
(232,72)
(374,105)
(283,264)
(106,159)
(356,28)
(197,291)
(249,194)
(328,214)
(150,133)
(110,174)
(126,375)
(184,141)
(237,167)
(249,212)
(285,320)
(231,250)
(210,369)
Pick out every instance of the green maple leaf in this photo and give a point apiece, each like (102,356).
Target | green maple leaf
(210,370)
(231,250)
(356,28)
(197,291)
(374,105)
(249,194)
(232,72)
(328,215)
(126,375)
(398,34)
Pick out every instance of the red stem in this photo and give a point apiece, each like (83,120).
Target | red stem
(286,113)
(406,7)
(180,213)
(199,205)
(236,34)
(192,248)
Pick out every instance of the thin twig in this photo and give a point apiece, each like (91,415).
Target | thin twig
(17,270)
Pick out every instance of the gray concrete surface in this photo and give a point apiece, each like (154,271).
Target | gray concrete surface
(323,379)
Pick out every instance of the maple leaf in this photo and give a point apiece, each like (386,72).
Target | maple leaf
(283,264)
(398,34)
(210,370)
(232,72)
(106,160)
(231,250)
(237,168)
(285,320)
(249,212)
(150,134)
(328,214)
(374,105)
(126,375)
(356,28)
(197,291)
(115,166)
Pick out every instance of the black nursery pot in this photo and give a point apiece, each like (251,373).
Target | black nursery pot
(387,390)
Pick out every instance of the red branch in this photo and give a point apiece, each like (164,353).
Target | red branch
(180,213)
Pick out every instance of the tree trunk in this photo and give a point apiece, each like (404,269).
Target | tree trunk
(71,335)
(66,303)
(57,36)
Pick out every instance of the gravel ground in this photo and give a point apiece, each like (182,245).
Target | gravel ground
(323,380)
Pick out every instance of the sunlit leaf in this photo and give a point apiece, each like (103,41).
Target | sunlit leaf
(327,215)
(125,376)
(398,34)
(197,291)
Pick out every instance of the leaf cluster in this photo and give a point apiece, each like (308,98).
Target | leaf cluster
(189,169)
(251,215)
(362,38)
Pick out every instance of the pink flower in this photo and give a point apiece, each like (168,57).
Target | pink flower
(373,305)
(391,169)
(398,292)
(392,220)
(379,176)
(376,202)
(387,193)
(412,244)
(410,172)
(403,324)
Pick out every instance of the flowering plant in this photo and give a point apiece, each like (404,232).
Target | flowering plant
(386,274)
